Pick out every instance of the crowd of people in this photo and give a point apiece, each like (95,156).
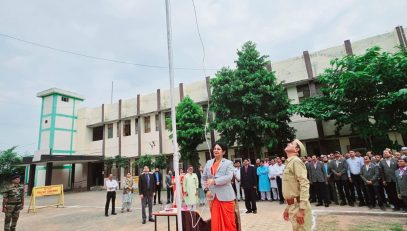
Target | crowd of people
(372,180)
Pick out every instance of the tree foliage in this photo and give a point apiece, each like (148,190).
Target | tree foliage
(9,159)
(251,107)
(190,129)
(160,161)
(144,160)
(367,92)
(121,162)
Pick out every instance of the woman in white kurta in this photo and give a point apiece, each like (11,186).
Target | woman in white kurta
(190,186)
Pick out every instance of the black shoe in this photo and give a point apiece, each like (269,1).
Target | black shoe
(160,203)
(326,204)
(351,204)
(396,209)
(382,208)
(114,213)
(319,204)
(361,204)
(248,211)
(106,215)
(168,202)
(343,203)
(144,221)
(255,211)
(151,219)
(336,202)
(281,202)
(154,203)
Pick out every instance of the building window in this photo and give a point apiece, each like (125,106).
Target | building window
(136,125)
(64,99)
(303,92)
(97,133)
(126,128)
(118,129)
(147,124)
(110,131)
(157,122)
(167,116)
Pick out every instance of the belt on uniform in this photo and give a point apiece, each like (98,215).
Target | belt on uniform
(14,203)
(292,200)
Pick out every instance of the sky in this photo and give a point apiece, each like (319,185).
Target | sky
(134,31)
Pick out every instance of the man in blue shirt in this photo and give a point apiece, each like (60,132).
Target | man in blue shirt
(158,184)
(354,166)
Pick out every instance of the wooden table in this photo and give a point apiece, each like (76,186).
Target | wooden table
(168,214)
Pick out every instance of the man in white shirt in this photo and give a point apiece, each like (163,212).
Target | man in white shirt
(236,173)
(279,178)
(111,187)
(273,183)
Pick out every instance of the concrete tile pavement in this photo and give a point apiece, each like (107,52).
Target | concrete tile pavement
(85,211)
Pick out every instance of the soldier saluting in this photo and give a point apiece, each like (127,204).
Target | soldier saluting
(296,188)
(13,202)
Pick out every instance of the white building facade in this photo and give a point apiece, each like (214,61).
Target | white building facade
(134,127)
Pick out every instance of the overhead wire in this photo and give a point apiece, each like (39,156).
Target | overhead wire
(95,57)
(195,224)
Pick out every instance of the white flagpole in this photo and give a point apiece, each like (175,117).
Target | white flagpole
(174,128)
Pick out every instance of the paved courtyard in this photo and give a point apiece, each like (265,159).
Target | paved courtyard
(85,211)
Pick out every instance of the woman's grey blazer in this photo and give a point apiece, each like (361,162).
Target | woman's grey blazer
(223,189)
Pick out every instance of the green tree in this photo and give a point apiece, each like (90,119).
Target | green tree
(121,162)
(190,129)
(251,107)
(367,92)
(108,162)
(9,159)
(144,160)
(160,161)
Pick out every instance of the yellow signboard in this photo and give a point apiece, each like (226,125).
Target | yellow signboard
(43,191)
(47,190)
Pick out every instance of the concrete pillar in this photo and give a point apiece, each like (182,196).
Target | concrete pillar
(31,179)
(48,174)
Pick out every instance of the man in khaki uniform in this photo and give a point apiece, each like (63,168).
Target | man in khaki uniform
(296,188)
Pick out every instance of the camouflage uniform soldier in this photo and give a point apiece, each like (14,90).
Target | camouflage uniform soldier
(13,202)
(296,188)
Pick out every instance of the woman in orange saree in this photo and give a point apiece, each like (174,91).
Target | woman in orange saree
(216,178)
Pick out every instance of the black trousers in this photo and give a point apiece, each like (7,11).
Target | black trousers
(331,191)
(392,194)
(110,196)
(312,193)
(358,183)
(319,189)
(157,193)
(373,194)
(344,189)
(250,199)
(170,195)
(280,188)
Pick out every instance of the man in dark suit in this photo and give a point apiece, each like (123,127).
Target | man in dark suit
(388,166)
(370,176)
(331,194)
(339,168)
(146,188)
(317,178)
(158,178)
(248,182)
